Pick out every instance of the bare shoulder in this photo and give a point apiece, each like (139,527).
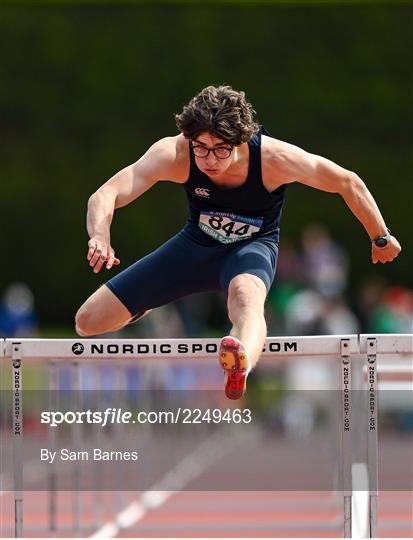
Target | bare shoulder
(281,162)
(284,163)
(169,157)
(183,161)
(281,155)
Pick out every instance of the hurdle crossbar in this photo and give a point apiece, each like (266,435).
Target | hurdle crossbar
(176,349)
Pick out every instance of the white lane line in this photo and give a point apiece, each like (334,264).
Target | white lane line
(186,470)
(360,500)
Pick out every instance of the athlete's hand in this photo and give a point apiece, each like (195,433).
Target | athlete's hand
(387,253)
(101,252)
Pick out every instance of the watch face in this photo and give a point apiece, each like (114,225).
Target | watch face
(381,242)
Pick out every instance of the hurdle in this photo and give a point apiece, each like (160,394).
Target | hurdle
(355,353)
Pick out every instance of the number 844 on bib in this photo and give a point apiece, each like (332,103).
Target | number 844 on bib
(228,228)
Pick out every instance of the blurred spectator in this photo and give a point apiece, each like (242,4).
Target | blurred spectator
(289,267)
(309,313)
(325,262)
(337,318)
(303,313)
(308,294)
(369,298)
(288,279)
(17,314)
(394,314)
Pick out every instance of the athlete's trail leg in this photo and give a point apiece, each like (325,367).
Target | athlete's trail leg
(101,313)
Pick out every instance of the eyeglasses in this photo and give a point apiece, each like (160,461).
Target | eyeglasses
(220,152)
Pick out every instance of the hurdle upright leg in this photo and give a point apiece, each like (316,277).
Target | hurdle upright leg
(17,433)
(346,437)
(372,434)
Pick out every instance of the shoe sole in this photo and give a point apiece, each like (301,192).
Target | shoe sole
(234,361)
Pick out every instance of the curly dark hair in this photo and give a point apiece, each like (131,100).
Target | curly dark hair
(220,111)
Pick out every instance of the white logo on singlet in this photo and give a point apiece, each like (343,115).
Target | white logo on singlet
(202,192)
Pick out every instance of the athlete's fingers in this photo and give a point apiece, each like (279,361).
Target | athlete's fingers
(385,257)
(100,254)
(104,253)
(96,255)
(111,259)
(381,256)
(95,258)
(91,250)
(386,254)
(98,266)
(102,258)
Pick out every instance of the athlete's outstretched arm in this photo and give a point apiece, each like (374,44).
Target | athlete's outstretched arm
(124,187)
(323,174)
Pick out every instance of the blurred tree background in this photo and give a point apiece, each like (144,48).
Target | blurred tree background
(85,89)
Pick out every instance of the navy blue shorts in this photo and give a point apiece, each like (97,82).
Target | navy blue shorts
(192,262)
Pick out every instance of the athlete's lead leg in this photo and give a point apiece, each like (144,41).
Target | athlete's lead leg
(246,297)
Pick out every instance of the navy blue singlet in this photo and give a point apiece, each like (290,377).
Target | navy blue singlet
(230,231)
(250,200)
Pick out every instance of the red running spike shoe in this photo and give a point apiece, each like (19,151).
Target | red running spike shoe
(236,365)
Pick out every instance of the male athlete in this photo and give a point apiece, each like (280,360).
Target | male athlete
(235,177)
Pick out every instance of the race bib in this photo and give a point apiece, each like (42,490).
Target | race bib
(228,228)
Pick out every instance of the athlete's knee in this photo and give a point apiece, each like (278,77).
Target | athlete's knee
(88,322)
(246,291)
(83,322)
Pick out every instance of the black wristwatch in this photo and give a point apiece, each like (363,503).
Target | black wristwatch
(382,241)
